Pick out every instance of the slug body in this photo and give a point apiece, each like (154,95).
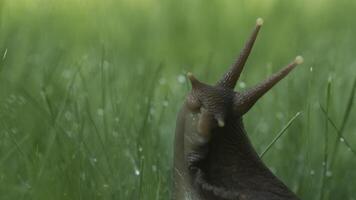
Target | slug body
(213,157)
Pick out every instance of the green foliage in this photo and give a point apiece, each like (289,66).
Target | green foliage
(89,92)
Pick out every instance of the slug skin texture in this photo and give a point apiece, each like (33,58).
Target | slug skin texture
(213,157)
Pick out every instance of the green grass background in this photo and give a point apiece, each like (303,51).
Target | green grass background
(89,92)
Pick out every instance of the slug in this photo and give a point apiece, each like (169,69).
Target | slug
(213,156)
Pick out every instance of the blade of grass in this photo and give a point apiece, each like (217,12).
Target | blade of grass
(326,146)
(280,134)
(305,163)
(340,137)
(96,130)
(343,124)
(103,94)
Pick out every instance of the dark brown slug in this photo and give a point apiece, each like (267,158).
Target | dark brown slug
(213,157)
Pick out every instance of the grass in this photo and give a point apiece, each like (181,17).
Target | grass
(89,92)
(284,129)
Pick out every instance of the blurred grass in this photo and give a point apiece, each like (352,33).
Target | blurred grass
(89,91)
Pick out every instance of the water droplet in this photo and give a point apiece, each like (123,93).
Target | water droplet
(85,57)
(279,115)
(342,139)
(100,112)
(68,115)
(311,69)
(165,103)
(329,173)
(11,99)
(93,161)
(242,85)
(162,81)
(82,176)
(21,100)
(181,78)
(115,134)
(140,149)
(137,172)
(105,185)
(106,65)
(76,126)
(330,78)
(27,185)
(312,172)
(66,74)
(154,168)
(5,53)
(42,94)
(152,111)
(69,133)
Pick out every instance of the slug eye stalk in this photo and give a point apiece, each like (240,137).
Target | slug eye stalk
(212,97)
(232,75)
(245,100)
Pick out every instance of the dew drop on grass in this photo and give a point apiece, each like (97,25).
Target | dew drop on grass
(42,94)
(106,65)
(154,168)
(27,185)
(5,53)
(312,172)
(69,133)
(76,126)
(181,79)
(68,115)
(330,79)
(100,112)
(137,172)
(273,170)
(329,173)
(66,74)
(21,100)
(279,115)
(11,99)
(242,85)
(342,139)
(115,134)
(82,176)
(14,130)
(162,81)
(152,111)
(93,161)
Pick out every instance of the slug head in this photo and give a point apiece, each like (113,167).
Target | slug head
(214,104)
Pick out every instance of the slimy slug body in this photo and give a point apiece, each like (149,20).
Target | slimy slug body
(213,157)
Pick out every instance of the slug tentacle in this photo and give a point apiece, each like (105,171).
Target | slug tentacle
(230,78)
(244,101)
